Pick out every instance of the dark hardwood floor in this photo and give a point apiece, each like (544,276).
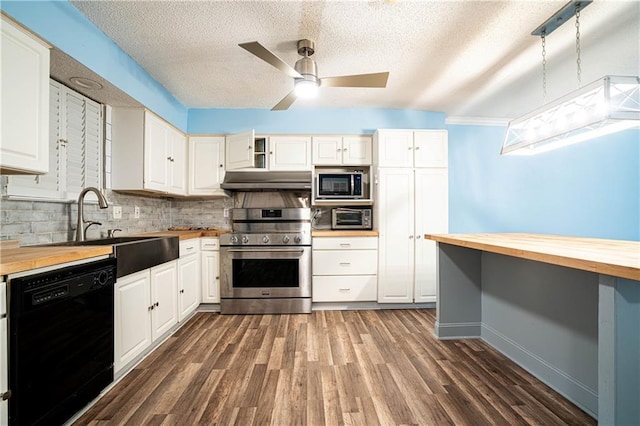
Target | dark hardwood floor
(332,368)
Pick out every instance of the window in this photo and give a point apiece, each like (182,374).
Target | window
(75,149)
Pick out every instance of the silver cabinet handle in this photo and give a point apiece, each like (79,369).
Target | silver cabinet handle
(344,289)
(345,263)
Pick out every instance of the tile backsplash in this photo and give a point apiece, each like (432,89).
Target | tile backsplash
(41,222)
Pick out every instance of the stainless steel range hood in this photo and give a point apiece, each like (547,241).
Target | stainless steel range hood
(257,181)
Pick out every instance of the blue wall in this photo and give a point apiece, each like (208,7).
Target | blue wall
(63,26)
(318,121)
(591,189)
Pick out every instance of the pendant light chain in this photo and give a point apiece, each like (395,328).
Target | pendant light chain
(544,68)
(578,61)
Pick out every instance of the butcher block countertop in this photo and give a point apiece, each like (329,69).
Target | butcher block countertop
(343,233)
(14,258)
(609,257)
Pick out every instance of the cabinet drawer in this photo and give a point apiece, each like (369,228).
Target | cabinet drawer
(345,243)
(209,243)
(188,247)
(345,289)
(345,262)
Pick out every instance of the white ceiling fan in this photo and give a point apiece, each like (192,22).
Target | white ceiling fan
(305,73)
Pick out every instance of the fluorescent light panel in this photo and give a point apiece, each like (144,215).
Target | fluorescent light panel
(608,105)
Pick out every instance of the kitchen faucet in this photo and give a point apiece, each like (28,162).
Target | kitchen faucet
(81,231)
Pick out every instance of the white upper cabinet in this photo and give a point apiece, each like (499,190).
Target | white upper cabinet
(341,150)
(239,150)
(206,165)
(140,138)
(24,98)
(289,153)
(283,153)
(411,148)
(430,148)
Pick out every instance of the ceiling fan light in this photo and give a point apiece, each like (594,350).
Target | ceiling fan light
(306,89)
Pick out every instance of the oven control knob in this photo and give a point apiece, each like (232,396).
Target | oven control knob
(286,239)
(297,239)
(245,239)
(234,239)
(265,239)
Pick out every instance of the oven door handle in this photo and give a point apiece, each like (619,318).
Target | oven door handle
(266,250)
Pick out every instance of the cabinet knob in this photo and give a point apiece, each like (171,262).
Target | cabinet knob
(411,237)
(270,152)
(157,304)
(344,149)
(150,308)
(338,150)
(417,148)
(217,278)
(410,148)
(418,237)
(182,291)
(221,165)
(6,395)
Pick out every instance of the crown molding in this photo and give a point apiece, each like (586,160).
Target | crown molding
(476,121)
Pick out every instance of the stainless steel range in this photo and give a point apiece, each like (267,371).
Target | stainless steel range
(265,263)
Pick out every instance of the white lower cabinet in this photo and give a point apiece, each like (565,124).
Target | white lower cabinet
(345,269)
(188,278)
(132,317)
(409,204)
(146,306)
(164,298)
(210,255)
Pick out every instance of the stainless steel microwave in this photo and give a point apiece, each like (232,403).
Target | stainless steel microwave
(340,185)
(351,218)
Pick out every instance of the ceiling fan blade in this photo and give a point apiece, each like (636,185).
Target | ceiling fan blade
(378,79)
(285,103)
(266,55)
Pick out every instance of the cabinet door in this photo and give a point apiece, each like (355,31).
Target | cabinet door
(132,320)
(178,162)
(432,217)
(24,142)
(206,164)
(189,284)
(396,235)
(210,277)
(327,150)
(431,148)
(156,162)
(239,150)
(289,153)
(164,298)
(356,150)
(395,148)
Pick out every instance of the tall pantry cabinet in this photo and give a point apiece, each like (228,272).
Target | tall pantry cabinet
(411,172)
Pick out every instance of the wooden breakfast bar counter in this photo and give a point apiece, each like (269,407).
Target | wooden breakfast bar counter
(567,309)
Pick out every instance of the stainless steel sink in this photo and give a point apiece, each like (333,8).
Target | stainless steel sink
(134,254)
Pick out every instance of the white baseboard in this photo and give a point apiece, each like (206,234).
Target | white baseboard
(572,389)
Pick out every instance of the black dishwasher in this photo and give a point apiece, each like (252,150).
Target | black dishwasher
(60,341)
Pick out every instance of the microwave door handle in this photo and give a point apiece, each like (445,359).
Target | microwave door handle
(353,184)
(347,210)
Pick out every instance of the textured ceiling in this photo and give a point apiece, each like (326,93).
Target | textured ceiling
(464,58)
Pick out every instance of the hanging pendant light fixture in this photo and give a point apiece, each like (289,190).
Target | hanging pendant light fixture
(608,105)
